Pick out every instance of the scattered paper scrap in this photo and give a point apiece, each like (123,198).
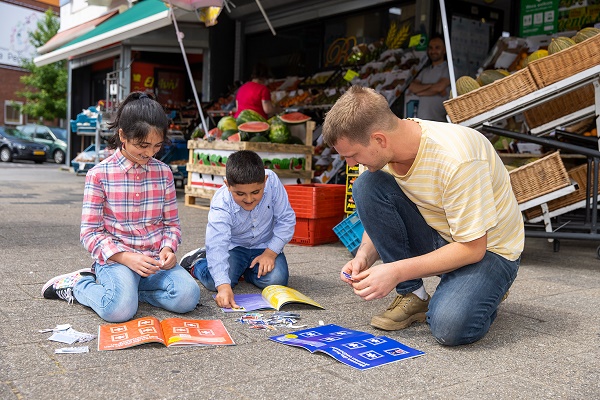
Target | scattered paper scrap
(72,350)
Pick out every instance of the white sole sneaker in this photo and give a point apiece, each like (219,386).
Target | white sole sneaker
(59,277)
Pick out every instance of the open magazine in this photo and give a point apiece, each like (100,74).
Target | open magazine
(357,349)
(273,297)
(170,332)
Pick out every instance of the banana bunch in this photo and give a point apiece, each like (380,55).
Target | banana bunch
(397,36)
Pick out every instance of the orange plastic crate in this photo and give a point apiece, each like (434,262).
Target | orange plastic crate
(317,200)
(315,231)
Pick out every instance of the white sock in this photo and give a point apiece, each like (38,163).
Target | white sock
(421,293)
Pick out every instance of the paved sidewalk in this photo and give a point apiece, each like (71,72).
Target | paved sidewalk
(545,343)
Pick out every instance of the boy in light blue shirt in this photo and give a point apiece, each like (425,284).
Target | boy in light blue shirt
(249,222)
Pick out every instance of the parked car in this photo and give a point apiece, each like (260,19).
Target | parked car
(53,137)
(13,146)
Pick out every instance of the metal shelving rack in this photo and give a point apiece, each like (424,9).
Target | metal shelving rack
(576,221)
(543,95)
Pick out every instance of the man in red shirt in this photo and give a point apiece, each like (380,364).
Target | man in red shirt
(254,95)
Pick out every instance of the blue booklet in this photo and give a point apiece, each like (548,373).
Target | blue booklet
(357,349)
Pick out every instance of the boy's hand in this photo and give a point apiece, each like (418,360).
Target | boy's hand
(224,297)
(266,262)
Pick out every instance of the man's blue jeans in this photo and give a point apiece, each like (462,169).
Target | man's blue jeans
(466,300)
(116,290)
(239,261)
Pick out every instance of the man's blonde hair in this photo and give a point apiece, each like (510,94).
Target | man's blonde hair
(358,113)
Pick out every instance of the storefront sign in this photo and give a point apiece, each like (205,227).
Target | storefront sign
(339,50)
(142,77)
(575,18)
(538,17)
(15,26)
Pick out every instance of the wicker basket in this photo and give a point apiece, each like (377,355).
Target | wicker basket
(577,174)
(539,178)
(567,62)
(490,96)
(558,107)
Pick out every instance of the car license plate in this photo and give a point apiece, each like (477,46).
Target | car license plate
(39,152)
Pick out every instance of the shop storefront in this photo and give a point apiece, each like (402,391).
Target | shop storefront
(138,49)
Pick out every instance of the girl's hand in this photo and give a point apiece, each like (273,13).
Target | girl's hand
(167,258)
(142,265)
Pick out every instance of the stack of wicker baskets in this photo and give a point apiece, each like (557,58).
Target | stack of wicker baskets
(538,74)
(577,174)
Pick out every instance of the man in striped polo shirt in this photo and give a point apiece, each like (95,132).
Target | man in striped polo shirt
(436,200)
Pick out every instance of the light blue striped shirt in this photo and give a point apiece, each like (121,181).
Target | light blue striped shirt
(270,225)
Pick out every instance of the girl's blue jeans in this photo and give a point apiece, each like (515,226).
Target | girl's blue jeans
(239,263)
(115,292)
(466,300)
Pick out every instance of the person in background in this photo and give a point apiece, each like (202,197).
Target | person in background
(436,200)
(255,95)
(432,84)
(130,224)
(249,222)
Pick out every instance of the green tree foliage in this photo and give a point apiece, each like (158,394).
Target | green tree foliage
(46,86)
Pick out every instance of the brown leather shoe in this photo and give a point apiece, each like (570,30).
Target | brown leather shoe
(404,310)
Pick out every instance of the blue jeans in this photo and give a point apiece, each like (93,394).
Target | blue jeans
(115,292)
(466,300)
(239,261)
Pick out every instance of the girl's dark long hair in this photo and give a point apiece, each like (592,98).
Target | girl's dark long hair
(136,116)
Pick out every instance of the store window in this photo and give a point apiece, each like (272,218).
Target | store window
(12,112)
(304,49)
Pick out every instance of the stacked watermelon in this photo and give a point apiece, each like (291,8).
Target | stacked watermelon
(251,126)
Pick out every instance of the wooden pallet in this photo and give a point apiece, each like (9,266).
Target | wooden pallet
(198,197)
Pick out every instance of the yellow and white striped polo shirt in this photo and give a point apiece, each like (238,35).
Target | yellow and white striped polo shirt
(462,188)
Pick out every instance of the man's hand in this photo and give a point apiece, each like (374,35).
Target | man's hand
(376,282)
(266,262)
(353,268)
(224,296)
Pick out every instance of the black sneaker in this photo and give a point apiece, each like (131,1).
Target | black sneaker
(61,287)
(190,259)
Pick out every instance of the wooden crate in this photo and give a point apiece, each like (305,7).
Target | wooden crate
(303,131)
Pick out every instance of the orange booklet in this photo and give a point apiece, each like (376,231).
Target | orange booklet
(170,332)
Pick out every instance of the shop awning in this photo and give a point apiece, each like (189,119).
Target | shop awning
(145,16)
(64,37)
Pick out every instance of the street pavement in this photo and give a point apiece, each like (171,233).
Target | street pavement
(544,344)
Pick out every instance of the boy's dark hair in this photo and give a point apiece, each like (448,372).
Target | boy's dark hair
(244,167)
(136,116)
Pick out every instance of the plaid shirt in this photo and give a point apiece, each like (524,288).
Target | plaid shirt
(129,207)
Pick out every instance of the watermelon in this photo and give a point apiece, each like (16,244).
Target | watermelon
(227,133)
(198,133)
(234,138)
(227,123)
(294,118)
(258,138)
(295,140)
(253,128)
(249,115)
(215,132)
(279,132)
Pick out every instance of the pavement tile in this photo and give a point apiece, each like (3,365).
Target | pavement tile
(543,344)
